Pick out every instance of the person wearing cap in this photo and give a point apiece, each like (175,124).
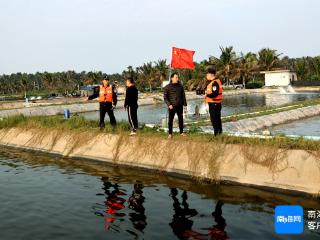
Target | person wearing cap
(107,101)
(213,96)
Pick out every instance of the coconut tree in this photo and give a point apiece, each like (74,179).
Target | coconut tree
(268,58)
(225,63)
(314,65)
(198,76)
(161,69)
(129,72)
(248,65)
(301,68)
(147,74)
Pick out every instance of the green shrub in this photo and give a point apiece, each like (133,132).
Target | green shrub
(256,84)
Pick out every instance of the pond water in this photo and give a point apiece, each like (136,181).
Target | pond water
(47,197)
(304,127)
(231,104)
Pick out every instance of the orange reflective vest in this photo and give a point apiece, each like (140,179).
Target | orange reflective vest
(105,94)
(217,99)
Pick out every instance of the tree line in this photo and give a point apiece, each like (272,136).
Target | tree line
(243,68)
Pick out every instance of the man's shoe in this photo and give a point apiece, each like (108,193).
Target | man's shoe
(132,134)
(183,134)
(170,136)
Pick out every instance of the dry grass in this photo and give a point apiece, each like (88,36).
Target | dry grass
(73,140)
(202,161)
(76,141)
(79,124)
(120,143)
(271,157)
(207,157)
(316,155)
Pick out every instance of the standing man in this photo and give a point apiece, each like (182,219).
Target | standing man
(213,97)
(131,105)
(175,98)
(107,101)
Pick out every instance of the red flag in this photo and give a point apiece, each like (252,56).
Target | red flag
(182,58)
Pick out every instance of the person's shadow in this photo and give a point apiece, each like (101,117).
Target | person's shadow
(217,231)
(181,223)
(114,203)
(182,226)
(136,200)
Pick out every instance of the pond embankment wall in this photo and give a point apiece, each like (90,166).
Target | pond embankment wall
(258,166)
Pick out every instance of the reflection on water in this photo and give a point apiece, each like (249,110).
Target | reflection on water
(46,197)
(231,104)
(304,127)
(182,223)
(113,209)
(136,200)
(114,203)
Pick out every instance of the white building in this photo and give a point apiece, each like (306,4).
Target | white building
(165,83)
(279,77)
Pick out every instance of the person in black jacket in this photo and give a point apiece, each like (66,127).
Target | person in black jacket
(107,94)
(131,105)
(175,98)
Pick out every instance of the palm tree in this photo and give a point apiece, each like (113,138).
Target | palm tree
(147,74)
(129,72)
(198,76)
(248,65)
(225,63)
(301,67)
(268,58)
(161,68)
(314,65)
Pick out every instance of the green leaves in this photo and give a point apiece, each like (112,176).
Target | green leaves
(268,58)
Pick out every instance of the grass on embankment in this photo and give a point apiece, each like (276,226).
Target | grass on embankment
(262,111)
(80,124)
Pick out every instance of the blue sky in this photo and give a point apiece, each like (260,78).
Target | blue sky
(109,35)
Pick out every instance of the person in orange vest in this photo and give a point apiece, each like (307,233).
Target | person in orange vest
(107,94)
(213,96)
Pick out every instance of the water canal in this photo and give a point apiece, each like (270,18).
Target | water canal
(304,127)
(48,197)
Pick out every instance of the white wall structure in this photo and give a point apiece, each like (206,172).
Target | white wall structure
(165,83)
(279,78)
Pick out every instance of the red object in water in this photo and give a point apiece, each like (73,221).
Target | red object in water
(182,58)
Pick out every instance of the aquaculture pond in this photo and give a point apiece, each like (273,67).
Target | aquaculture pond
(48,197)
(231,104)
(303,127)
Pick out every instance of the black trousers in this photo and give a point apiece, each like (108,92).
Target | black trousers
(179,111)
(133,117)
(215,116)
(106,107)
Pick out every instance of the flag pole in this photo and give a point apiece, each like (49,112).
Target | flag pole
(170,68)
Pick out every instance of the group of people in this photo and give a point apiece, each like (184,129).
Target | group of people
(174,97)
(107,95)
